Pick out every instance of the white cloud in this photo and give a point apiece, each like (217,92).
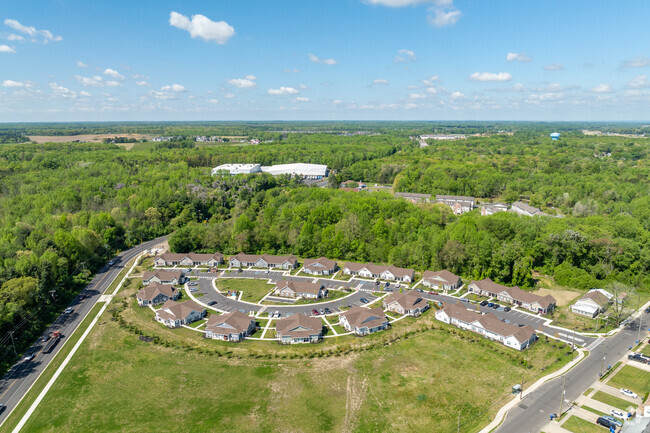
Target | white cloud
(554,67)
(14,37)
(202,27)
(302,99)
(142,83)
(96,81)
(431,90)
(430,80)
(457,95)
(602,88)
(33,32)
(229,95)
(84,93)
(291,71)
(282,91)
(417,96)
(64,92)
(6,49)
(638,82)
(81,64)
(15,84)
(519,57)
(380,81)
(405,56)
(176,88)
(243,83)
(489,76)
(315,59)
(637,62)
(443,16)
(213,101)
(113,73)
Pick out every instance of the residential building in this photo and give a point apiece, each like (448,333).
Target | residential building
(370,270)
(491,209)
(174,314)
(300,289)
(263,261)
(189,259)
(233,169)
(319,266)
(591,304)
(363,321)
(306,171)
(513,295)
(414,197)
(441,280)
(299,328)
(233,326)
(156,293)
(525,209)
(163,277)
(409,302)
(458,204)
(487,325)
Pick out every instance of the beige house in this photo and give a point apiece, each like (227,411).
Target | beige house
(592,303)
(370,270)
(174,314)
(363,321)
(163,277)
(441,280)
(319,266)
(299,328)
(233,326)
(263,261)
(513,295)
(409,302)
(190,259)
(458,204)
(300,289)
(156,293)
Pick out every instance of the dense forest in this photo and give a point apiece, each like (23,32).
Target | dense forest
(66,208)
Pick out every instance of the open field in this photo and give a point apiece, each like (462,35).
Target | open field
(562,296)
(87,138)
(252,290)
(384,388)
(612,400)
(633,379)
(579,425)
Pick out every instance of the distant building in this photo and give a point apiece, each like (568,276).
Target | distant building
(263,261)
(370,270)
(514,295)
(163,277)
(441,280)
(156,293)
(300,289)
(409,302)
(319,266)
(592,303)
(414,197)
(459,204)
(233,169)
(525,209)
(491,209)
(307,171)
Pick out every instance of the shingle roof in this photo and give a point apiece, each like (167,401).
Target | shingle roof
(515,293)
(178,310)
(597,297)
(409,300)
(300,286)
(251,258)
(231,323)
(490,322)
(360,317)
(319,264)
(443,275)
(163,275)
(299,326)
(152,290)
(378,269)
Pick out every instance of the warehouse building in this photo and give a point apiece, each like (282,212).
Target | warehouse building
(233,169)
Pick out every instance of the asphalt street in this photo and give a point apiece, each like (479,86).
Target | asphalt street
(23,374)
(534,410)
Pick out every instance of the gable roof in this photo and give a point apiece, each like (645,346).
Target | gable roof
(360,317)
(319,264)
(408,300)
(444,276)
(527,208)
(171,257)
(152,290)
(299,326)
(300,286)
(178,310)
(515,293)
(231,323)
(378,269)
(597,297)
(252,258)
(163,275)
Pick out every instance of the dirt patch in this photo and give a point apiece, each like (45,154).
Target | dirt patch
(92,138)
(563,297)
(354,396)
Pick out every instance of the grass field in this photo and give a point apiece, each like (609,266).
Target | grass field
(387,388)
(611,400)
(592,410)
(252,290)
(578,425)
(646,350)
(633,379)
(331,295)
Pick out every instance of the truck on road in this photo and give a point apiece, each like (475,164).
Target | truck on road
(52,342)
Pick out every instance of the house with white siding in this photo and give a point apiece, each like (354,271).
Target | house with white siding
(592,303)
(156,293)
(409,302)
(300,289)
(370,270)
(189,259)
(242,260)
(174,314)
(299,328)
(163,277)
(319,266)
(364,321)
(513,295)
(234,326)
(441,280)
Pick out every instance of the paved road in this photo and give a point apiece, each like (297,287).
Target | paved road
(364,289)
(534,410)
(23,374)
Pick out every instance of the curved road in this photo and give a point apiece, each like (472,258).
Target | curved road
(15,384)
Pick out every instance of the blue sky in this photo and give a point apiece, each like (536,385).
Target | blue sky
(68,60)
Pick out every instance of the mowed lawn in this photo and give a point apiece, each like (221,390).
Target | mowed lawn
(252,290)
(579,425)
(116,382)
(611,400)
(633,379)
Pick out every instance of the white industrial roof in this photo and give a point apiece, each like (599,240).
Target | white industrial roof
(298,168)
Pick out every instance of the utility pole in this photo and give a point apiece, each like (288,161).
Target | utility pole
(11,334)
(561,397)
(521,391)
(602,363)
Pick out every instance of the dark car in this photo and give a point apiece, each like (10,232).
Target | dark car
(327,311)
(46,337)
(420,290)
(506,309)
(2,408)
(240,270)
(364,300)
(490,304)
(495,306)
(212,303)
(647,310)
(377,283)
(484,303)
(605,422)
(387,284)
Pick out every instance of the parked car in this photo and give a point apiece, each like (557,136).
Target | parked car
(46,337)
(327,311)
(240,270)
(647,310)
(464,300)
(2,408)
(629,393)
(388,289)
(507,309)
(212,303)
(618,414)
(111,263)
(387,284)
(194,290)
(82,297)
(377,283)
(484,303)
(314,312)
(420,290)
(605,422)
(322,312)
(495,306)
(364,300)
(68,310)
(490,304)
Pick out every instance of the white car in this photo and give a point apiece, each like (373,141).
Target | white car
(68,310)
(617,414)
(629,393)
